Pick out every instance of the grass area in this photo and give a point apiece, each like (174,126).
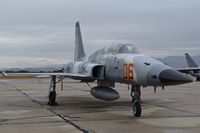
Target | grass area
(16,76)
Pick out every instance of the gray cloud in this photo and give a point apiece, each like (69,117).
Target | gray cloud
(35,29)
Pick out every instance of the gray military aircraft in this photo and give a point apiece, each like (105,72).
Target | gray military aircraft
(192,64)
(121,63)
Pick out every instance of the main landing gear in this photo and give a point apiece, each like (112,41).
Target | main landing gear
(52,92)
(136,100)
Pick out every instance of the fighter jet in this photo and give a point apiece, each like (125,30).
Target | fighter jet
(192,64)
(116,63)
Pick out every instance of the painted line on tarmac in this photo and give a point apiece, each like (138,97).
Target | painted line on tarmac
(49,109)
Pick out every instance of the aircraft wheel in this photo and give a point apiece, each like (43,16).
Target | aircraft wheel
(137,109)
(52,98)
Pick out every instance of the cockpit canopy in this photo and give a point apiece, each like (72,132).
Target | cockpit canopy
(121,48)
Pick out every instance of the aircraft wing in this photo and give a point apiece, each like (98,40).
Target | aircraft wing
(185,70)
(70,75)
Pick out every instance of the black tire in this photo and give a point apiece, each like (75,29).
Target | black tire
(137,109)
(52,98)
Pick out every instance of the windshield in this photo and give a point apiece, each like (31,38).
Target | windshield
(127,48)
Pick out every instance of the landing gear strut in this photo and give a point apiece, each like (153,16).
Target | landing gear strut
(52,93)
(136,100)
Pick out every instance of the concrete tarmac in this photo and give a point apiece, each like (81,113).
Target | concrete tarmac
(23,109)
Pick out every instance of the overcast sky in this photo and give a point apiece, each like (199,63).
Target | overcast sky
(41,32)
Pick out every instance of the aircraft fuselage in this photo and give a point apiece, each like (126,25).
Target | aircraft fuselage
(128,68)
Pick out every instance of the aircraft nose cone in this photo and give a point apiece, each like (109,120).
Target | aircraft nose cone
(173,77)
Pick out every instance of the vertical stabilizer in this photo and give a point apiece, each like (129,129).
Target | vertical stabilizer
(190,61)
(79,52)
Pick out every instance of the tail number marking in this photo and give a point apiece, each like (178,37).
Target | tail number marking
(128,71)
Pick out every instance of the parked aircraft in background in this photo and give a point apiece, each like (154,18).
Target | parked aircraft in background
(192,64)
(121,63)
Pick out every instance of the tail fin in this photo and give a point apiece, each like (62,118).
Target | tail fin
(79,52)
(190,61)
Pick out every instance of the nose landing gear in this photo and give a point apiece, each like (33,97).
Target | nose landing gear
(136,100)
(137,110)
